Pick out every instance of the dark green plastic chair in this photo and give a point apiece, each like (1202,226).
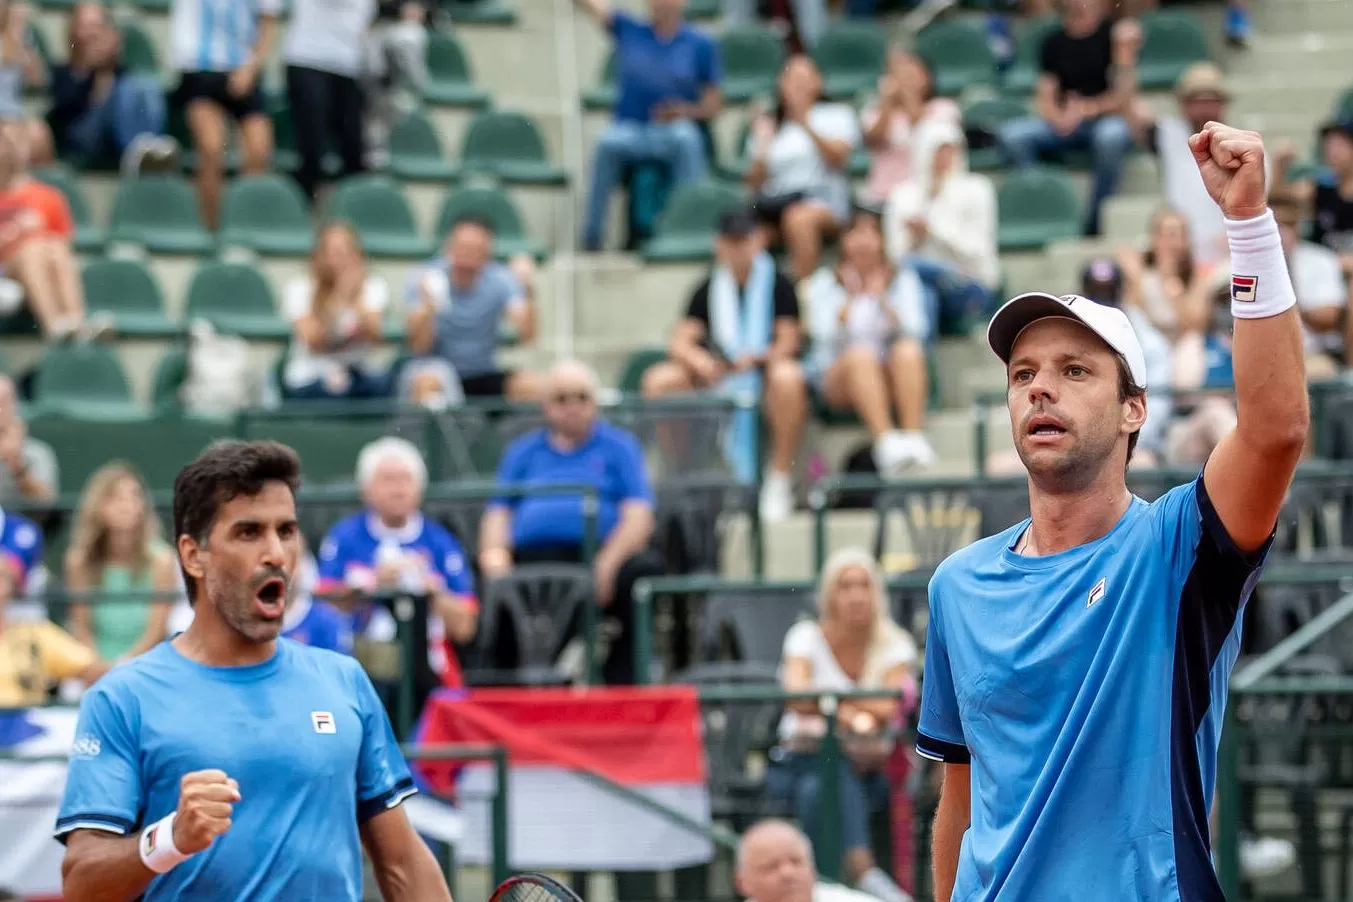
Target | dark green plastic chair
(851,56)
(377,208)
(1343,111)
(416,151)
(752,59)
(636,364)
(450,82)
(236,300)
(160,213)
(494,205)
(601,96)
(1037,206)
(89,238)
(1172,41)
(988,116)
(509,146)
(1023,75)
(329,445)
(157,445)
(126,290)
(686,228)
(958,54)
(85,381)
(480,12)
(171,371)
(267,214)
(138,51)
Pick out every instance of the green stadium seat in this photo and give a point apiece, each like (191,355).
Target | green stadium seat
(491,203)
(636,364)
(1023,75)
(159,212)
(958,54)
(89,238)
(752,59)
(171,370)
(988,116)
(450,82)
(1343,111)
(285,157)
(157,445)
(267,214)
(703,9)
(329,445)
(158,7)
(1172,41)
(380,212)
(236,299)
(686,227)
(1037,206)
(851,56)
(509,146)
(138,50)
(83,380)
(416,151)
(480,12)
(601,96)
(126,290)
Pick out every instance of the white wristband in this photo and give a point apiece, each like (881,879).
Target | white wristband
(1260,283)
(158,851)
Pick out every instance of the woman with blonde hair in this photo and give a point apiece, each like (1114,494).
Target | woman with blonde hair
(115,554)
(854,644)
(336,313)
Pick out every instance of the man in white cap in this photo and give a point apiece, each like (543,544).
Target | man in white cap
(1077,663)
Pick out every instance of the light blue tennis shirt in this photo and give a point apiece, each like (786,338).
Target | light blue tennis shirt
(303,734)
(1086,689)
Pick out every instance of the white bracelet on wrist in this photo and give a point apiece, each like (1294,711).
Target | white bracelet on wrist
(158,851)
(1260,283)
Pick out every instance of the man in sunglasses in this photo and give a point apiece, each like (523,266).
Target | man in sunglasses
(576,448)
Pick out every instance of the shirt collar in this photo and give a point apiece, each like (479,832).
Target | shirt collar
(404,535)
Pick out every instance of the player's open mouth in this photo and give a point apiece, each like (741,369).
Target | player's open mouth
(271,598)
(1044,426)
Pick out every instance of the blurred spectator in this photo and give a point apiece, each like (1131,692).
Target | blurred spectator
(741,335)
(1322,293)
(336,314)
(775,864)
(219,48)
(22,67)
(894,124)
(868,323)
(35,249)
(116,553)
(100,112)
(1087,85)
(395,71)
(943,222)
(314,621)
(667,80)
(1170,291)
(35,654)
(576,448)
(391,546)
(798,156)
(322,53)
(28,468)
(1238,25)
(457,306)
(854,644)
(1333,225)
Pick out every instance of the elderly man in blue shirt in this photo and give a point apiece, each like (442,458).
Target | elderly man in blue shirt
(667,76)
(576,448)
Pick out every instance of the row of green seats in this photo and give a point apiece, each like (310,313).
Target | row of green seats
(268,214)
(1034,206)
(853,54)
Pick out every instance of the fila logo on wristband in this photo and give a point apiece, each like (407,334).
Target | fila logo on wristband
(148,840)
(1244,289)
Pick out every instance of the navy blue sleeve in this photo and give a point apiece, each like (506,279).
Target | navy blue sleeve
(103,779)
(939,735)
(1191,532)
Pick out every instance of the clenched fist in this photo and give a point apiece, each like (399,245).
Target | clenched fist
(1231,162)
(206,798)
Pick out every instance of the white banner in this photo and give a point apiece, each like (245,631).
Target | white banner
(30,793)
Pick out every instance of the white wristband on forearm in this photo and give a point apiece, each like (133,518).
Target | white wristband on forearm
(158,851)
(1260,284)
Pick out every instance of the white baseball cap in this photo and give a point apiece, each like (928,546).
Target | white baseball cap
(1109,323)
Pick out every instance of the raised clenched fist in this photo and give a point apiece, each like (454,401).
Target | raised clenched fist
(1231,162)
(206,800)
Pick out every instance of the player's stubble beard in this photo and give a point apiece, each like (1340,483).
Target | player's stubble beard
(235,603)
(1078,465)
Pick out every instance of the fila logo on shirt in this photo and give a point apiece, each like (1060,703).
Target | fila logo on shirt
(1095,594)
(323,721)
(1244,289)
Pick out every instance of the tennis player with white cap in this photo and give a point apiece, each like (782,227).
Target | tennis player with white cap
(1077,663)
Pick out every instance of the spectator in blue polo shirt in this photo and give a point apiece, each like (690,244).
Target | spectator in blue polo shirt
(667,80)
(575,448)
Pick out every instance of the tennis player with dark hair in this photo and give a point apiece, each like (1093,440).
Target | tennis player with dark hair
(1077,664)
(227,765)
